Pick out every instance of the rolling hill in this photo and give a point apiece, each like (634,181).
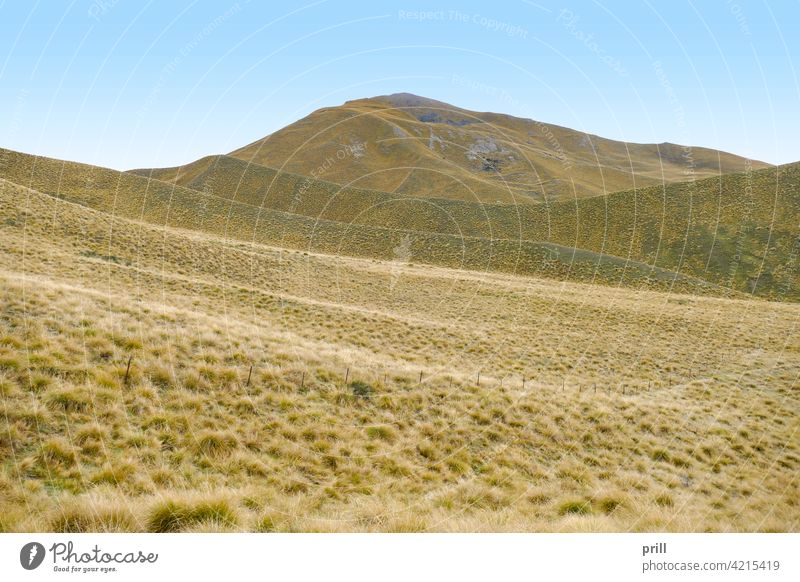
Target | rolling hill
(227,346)
(737,231)
(163,379)
(727,235)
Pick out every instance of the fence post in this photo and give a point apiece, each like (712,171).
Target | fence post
(479,377)
(346,375)
(420,376)
(128,369)
(302,380)
(249,375)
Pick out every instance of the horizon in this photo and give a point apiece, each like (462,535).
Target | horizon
(214,153)
(113,85)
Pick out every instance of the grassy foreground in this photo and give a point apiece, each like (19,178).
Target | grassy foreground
(640,411)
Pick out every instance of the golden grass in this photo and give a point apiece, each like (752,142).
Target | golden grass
(422,148)
(725,236)
(641,411)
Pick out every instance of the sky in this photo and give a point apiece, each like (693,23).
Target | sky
(128,84)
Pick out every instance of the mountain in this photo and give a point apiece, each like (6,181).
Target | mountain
(227,346)
(420,147)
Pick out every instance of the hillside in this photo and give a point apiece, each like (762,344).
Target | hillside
(415,146)
(413,235)
(161,379)
(737,231)
(734,234)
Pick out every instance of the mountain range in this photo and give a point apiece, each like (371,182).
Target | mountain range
(477,191)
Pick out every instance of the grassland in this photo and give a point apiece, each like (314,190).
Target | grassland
(420,147)
(725,236)
(737,232)
(293,225)
(640,411)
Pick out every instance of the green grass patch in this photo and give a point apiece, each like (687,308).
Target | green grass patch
(175,516)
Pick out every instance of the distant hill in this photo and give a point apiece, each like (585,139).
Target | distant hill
(725,236)
(737,230)
(411,145)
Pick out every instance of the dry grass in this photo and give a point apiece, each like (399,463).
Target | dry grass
(641,411)
(727,236)
(423,148)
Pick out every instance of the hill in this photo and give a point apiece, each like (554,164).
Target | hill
(415,146)
(335,232)
(161,379)
(737,231)
(728,235)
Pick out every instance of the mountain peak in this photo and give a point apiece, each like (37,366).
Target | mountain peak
(411,100)
(412,145)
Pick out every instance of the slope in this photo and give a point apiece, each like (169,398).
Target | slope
(738,231)
(412,145)
(639,411)
(334,231)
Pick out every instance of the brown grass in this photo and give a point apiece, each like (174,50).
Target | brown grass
(704,436)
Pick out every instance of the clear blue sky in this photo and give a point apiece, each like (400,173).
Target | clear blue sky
(139,84)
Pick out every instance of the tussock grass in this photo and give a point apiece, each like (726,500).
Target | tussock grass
(217,443)
(678,237)
(89,515)
(69,400)
(576,507)
(180,515)
(704,437)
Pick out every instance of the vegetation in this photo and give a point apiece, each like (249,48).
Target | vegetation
(597,408)
(724,236)
(418,147)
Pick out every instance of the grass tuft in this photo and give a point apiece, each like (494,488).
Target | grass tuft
(174,516)
(69,400)
(92,517)
(575,507)
(217,443)
(361,389)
